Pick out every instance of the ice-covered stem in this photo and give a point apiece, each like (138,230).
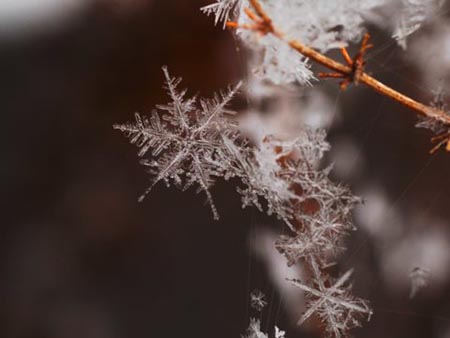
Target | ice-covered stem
(352,72)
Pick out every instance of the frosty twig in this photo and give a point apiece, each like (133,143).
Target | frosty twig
(352,72)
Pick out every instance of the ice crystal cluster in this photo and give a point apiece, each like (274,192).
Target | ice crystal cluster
(321,24)
(192,142)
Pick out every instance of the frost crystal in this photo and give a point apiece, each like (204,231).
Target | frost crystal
(257,300)
(184,140)
(222,10)
(270,171)
(320,24)
(190,141)
(332,301)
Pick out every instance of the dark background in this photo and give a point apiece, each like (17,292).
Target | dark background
(79,257)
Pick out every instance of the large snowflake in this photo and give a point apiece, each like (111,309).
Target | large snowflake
(333,302)
(183,138)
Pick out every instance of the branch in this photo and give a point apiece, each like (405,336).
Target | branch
(352,72)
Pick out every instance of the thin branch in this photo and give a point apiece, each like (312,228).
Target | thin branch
(352,72)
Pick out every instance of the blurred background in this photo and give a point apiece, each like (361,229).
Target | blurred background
(80,257)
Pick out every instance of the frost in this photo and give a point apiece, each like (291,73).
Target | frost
(320,24)
(281,64)
(222,10)
(257,300)
(332,301)
(184,139)
(420,279)
(270,170)
(412,16)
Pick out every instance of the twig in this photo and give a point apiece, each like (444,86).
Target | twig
(351,72)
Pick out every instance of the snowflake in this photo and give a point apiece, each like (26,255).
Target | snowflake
(257,300)
(333,303)
(185,139)
(261,170)
(420,279)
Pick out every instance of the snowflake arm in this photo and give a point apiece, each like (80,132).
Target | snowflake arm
(179,108)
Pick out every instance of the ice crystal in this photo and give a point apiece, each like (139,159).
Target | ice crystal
(412,16)
(262,170)
(193,141)
(420,279)
(184,140)
(333,303)
(222,10)
(281,64)
(257,300)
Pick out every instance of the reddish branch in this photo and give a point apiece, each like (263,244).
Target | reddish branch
(351,72)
